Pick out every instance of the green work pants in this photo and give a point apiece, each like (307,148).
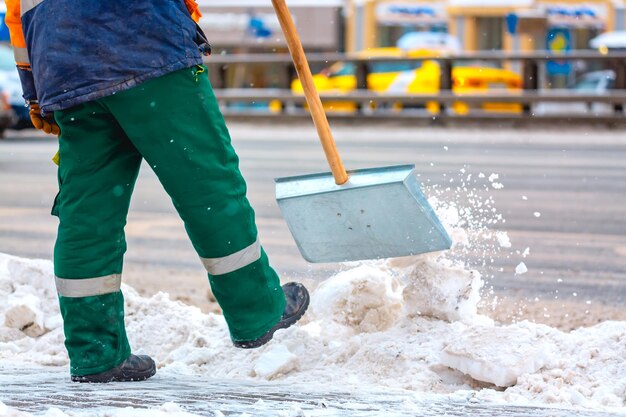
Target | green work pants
(174,123)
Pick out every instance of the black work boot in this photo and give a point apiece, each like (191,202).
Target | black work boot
(297,302)
(135,368)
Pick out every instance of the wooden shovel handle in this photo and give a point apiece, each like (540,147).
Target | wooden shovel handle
(310,92)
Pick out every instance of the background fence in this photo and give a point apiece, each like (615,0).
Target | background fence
(231,75)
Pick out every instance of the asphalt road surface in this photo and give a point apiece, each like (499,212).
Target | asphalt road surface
(563,198)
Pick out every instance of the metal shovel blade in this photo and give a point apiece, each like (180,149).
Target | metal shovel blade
(378,213)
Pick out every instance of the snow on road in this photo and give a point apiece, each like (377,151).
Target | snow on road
(37,391)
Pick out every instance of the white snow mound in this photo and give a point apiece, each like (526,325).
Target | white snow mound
(406,323)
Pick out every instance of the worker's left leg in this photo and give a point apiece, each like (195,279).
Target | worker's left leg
(97,172)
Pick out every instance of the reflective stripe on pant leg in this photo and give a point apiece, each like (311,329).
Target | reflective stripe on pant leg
(88,287)
(175,123)
(233,262)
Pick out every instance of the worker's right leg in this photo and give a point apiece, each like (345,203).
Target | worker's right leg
(97,172)
(176,124)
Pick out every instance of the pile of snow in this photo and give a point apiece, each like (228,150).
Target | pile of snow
(408,323)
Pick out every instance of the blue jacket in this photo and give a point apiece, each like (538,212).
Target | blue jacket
(81,50)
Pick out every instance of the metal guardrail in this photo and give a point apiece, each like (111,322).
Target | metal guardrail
(532,65)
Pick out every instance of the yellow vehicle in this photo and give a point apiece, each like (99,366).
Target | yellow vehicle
(415,77)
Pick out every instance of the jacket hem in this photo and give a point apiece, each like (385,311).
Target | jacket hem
(65,103)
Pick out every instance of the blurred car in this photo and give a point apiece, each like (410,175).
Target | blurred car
(609,41)
(7,117)
(11,87)
(439,41)
(595,82)
(414,77)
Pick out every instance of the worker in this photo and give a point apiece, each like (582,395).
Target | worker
(121,82)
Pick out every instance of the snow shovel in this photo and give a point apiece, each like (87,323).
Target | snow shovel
(356,215)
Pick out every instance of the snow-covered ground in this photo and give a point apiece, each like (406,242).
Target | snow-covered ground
(405,324)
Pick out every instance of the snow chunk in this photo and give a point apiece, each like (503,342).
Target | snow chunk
(445,292)
(499,355)
(521,268)
(275,361)
(365,298)
(447,213)
(503,239)
(25,315)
